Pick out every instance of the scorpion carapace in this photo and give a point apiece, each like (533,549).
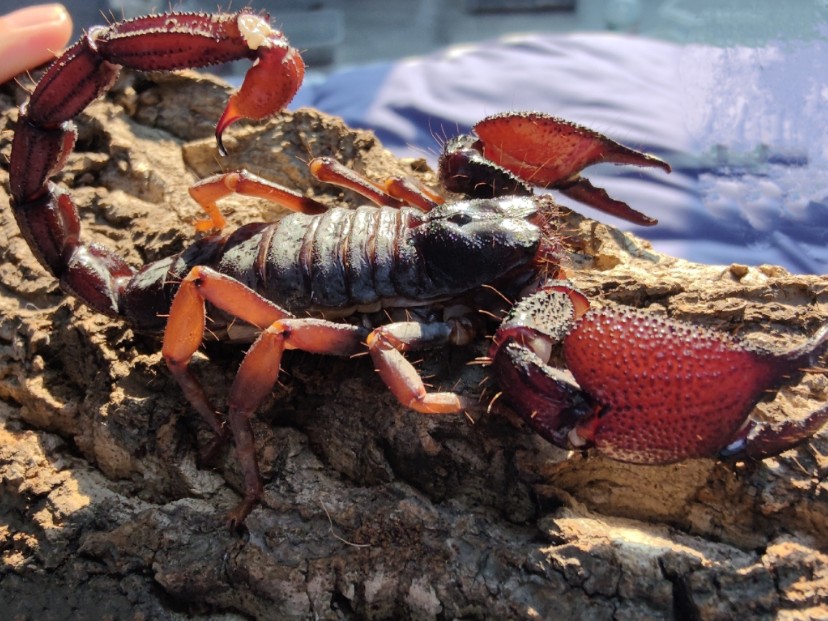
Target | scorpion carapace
(289,285)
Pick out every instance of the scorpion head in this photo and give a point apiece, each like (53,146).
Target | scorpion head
(470,243)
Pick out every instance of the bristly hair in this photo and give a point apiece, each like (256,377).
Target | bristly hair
(552,251)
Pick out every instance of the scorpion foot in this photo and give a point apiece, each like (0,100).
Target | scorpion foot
(209,454)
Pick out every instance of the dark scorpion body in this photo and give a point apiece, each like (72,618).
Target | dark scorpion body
(346,261)
(283,285)
(354,262)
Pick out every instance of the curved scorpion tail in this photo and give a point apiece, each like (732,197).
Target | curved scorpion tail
(45,134)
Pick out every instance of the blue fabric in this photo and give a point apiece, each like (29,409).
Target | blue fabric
(744,129)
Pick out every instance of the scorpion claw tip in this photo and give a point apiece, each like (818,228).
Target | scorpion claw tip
(228,117)
(221,150)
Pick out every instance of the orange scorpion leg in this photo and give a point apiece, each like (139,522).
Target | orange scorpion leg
(386,346)
(413,192)
(211,189)
(257,375)
(260,367)
(184,334)
(395,192)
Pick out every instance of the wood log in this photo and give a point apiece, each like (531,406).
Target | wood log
(370,510)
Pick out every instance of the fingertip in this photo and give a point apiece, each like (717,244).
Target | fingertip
(62,25)
(33,35)
(40,15)
(55,25)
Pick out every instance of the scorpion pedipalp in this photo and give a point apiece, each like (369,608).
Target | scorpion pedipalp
(510,151)
(647,389)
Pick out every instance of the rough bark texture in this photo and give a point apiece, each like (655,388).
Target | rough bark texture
(370,510)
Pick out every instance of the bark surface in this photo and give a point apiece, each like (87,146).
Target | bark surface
(369,511)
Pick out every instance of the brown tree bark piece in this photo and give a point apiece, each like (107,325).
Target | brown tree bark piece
(370,510)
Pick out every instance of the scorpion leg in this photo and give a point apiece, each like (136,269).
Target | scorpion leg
(328,170)
(257,375)
(211,189)
(280,330)
(396,192)
(413,192)
(184,334)
(386,345)
(259,369)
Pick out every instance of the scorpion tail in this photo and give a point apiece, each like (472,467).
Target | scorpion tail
(45,134)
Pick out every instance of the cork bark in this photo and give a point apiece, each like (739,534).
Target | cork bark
(370,510)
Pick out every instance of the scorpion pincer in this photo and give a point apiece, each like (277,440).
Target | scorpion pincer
(647,389)
(292,283)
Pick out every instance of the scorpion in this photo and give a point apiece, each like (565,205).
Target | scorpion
(318,279)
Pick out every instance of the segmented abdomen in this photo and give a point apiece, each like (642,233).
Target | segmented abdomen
(343,260)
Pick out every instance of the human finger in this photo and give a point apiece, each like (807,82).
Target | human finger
(31,36)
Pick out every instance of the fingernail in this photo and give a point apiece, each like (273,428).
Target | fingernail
(36,16)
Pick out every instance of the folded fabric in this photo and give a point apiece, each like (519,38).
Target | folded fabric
(743,128)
